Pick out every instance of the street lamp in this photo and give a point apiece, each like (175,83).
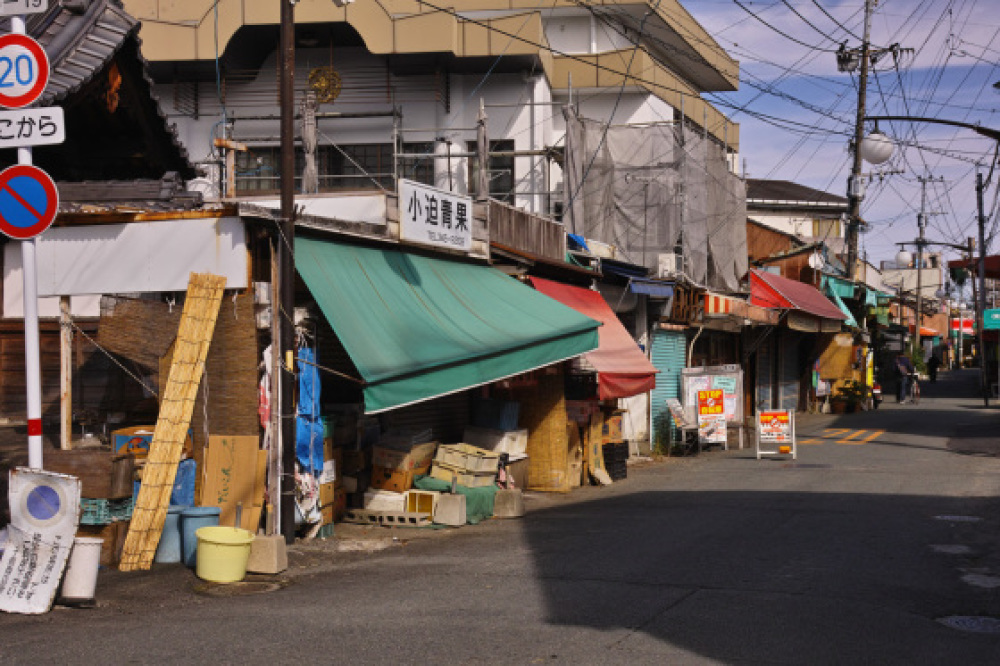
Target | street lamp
(981,219)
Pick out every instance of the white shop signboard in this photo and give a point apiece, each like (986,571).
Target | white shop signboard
(430,216)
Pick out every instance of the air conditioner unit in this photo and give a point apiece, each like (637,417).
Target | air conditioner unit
(669,265)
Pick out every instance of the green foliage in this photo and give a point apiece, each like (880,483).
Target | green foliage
(852,392)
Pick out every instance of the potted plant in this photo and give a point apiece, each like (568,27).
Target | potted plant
(852,394)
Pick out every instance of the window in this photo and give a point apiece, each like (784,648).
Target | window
(349,167)
(825,229)
(419,169)
(501,170)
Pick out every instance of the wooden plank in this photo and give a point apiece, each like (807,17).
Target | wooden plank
(194,335)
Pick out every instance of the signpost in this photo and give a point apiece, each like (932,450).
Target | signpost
(28,197)
(776,428)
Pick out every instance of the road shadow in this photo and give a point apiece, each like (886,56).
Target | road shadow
(771,577)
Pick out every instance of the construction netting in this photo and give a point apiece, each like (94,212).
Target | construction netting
(657,189)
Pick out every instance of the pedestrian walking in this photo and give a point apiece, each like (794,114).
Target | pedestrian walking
(932,367)
(904,368)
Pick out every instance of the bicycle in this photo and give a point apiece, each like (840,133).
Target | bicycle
(914,395)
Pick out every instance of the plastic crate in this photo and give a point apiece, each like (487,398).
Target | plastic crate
(105,512)
(94,511)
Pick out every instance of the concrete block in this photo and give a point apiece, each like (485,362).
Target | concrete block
(268,555)
(450,510)
(508,503)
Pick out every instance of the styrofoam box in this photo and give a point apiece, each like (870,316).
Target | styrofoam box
(514,442)
(467,457)
(384,500)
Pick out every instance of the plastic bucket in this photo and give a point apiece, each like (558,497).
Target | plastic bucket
(80,581)
(168,551)
(192,519)
(222,554)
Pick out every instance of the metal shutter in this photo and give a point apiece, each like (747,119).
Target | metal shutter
(765,375)
(788,378)
(667,353)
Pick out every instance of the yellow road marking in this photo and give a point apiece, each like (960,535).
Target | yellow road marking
(854,433)
(811,440)
(839,432)
(873,435)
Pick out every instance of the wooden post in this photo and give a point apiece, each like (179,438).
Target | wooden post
(65,375)
(231,147)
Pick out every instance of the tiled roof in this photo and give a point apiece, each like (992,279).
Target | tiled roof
(788,192)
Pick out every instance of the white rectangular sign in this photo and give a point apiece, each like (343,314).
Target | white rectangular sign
(32,127)
(14,7)
(434,217)
(44,514)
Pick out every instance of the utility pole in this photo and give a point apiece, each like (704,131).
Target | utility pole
(854,188)
(285,240)
(921,226)
(981,300)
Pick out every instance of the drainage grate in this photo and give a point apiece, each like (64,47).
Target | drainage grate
(972,623)
(243,588)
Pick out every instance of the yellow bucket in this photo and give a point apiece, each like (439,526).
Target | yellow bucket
(222,553)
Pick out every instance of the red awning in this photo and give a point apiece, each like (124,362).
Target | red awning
(774,291)
(622,368)
(926,332)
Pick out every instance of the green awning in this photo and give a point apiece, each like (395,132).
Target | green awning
(835,296)
(418,327)
(839,286)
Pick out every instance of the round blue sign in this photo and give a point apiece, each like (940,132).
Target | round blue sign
(43,503)
(29,201)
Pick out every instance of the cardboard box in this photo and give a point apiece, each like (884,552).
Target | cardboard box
(234,473)
(411,459)
(386,478)
(334,506)
(612,432)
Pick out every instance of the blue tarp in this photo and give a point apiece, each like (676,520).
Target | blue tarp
(308,423)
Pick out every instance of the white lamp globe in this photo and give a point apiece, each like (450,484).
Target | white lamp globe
(876,148)
(816,262)
(903,259)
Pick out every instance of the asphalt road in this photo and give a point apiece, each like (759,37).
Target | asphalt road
(886,523)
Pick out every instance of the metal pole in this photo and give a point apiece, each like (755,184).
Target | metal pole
(32,362)
(981,301)
(286,278)
(921,225)
(853,184)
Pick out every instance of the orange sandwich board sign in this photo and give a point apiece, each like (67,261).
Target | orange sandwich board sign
(776,429)
(711,417)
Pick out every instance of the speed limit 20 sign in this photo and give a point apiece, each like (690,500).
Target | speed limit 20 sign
(24,70)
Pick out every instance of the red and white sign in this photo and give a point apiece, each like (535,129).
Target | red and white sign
(774,427)
(967,326)
(24,70)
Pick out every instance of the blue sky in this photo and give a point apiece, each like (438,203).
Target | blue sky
(950,75)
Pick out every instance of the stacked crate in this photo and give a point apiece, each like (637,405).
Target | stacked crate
(469,465)
(616,460)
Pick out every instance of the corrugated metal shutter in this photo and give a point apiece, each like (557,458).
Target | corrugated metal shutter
(765,375)
(667,353)
(788,377)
